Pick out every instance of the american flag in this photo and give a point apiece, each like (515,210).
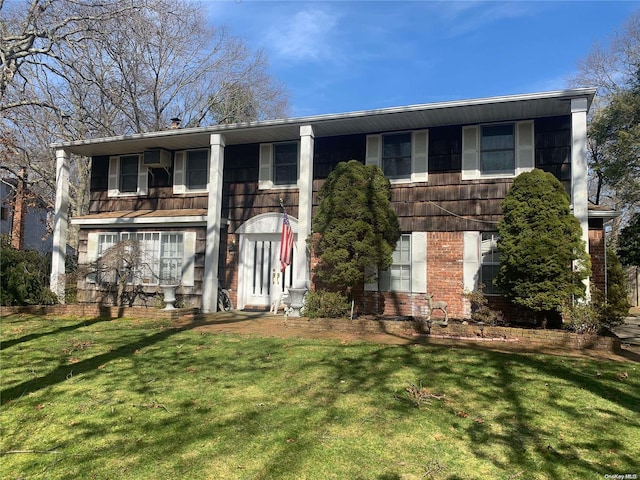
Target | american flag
(286,242)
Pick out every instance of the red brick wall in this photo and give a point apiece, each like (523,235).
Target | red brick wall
(444,282)
(444,270)
(229,276)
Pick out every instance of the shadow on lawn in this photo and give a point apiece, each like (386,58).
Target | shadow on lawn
(518,430)
(63,371)
(515,431)
(33,336)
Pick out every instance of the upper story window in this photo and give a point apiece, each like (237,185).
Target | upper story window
(497,150)
(403,157)
(127,176)
(396,155)
(279,165)
(191,171)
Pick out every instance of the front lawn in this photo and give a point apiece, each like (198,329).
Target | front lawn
(130,399)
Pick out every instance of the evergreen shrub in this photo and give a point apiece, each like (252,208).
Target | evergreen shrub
(324,304)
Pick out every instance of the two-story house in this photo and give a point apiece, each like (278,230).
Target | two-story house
(204,203)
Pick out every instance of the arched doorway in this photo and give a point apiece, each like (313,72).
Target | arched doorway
(260,281)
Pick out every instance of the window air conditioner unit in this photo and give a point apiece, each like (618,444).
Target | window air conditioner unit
(157,158)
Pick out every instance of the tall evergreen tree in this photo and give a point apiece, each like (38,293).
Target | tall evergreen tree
(356,229)
(543,260)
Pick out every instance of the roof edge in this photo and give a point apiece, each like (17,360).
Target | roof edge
(589,92)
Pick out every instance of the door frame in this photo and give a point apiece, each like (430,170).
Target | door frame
(263,226)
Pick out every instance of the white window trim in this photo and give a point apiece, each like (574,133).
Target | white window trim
(472,262)
(419,155)
(188,242)
(114,177)
(266,170)
(524,132)
(180,172)
(418,264)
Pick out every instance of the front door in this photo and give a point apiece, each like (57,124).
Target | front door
(262,280)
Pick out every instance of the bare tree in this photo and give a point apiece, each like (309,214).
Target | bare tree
(32,31)
(83,69)
(117,269)
(613,68)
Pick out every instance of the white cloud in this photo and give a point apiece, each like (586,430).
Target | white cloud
(305,36)
(466,17)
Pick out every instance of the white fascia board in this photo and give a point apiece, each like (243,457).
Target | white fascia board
(606,214)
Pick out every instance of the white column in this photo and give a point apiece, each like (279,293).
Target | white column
(214,215)
(60,225)
(305,184)
(579,168)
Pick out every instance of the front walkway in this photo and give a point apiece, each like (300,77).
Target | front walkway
(629,334)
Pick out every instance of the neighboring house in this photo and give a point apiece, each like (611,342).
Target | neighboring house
(204,202)
(35,231)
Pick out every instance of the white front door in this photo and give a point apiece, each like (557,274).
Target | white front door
(262,282)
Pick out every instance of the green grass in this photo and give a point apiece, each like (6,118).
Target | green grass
(125,399)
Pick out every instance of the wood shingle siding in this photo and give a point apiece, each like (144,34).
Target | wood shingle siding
(553,147)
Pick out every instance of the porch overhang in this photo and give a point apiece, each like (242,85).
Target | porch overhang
(144,218)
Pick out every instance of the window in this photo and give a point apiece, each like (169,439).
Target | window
(161,257)
(278,165)
(489,261)
(197,169)
(398,277)
(403,157)
(396,155)
(127,176)
(4,213)
(171,255)
(146,271)
(105,242)
(128,182)
(497,149)
(191,171)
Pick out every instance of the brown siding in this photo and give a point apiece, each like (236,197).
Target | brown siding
(553,147)
(241,198)
(159,198)
(445,204)
(329,151)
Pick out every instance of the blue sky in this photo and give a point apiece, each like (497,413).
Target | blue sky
(340,56)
